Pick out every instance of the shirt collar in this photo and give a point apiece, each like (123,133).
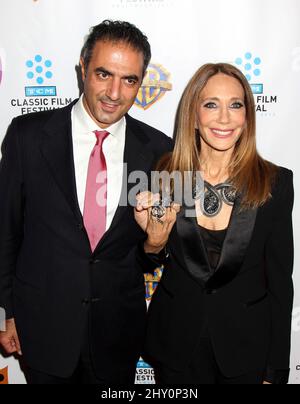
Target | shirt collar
(86,125)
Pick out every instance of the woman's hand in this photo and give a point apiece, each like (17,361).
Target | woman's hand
(158,230)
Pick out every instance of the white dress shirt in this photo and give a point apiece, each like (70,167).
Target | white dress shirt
(84,141)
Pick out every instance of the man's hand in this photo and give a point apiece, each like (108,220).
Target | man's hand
(9,339)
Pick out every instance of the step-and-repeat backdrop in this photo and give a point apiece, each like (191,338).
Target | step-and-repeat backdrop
(40,43)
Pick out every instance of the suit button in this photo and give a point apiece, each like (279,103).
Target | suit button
(211,291)
(85,302)
(94,261)
(95,300)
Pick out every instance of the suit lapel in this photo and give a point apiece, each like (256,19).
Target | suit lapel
(234,249)
(194,251)
(57,149)
(235,246)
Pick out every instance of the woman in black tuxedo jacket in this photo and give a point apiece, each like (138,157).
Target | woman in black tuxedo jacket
(222,311)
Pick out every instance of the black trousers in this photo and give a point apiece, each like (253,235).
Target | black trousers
(84,373)
(204,370)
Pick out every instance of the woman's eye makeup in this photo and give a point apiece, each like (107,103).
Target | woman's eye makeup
(234,105)
(210,105)
(237,105)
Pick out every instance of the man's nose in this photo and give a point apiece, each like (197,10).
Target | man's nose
(114,89)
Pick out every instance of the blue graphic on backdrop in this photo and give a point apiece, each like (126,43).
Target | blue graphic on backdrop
(144,373)
(251,66)
(39,72)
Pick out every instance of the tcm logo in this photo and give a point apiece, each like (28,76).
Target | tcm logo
(152,281)
(154,87)
(4,376)
(39,72)
(251,66)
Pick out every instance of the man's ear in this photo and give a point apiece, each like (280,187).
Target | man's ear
(83,72)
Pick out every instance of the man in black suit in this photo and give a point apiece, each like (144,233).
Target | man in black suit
(74,300)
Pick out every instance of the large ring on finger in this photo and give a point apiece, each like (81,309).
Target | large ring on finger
(158,212)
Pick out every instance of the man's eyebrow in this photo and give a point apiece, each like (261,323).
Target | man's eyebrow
(103,70)
(108,73)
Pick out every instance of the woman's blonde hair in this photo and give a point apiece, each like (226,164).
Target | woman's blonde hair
(249,172)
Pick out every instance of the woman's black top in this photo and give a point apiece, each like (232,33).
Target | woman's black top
(213,241)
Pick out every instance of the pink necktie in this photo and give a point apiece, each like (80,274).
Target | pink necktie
(95,203)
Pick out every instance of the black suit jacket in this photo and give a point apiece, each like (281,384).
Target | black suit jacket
(48,274)
(246,304)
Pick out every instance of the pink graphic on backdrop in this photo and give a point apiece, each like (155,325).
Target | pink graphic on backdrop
(0,70)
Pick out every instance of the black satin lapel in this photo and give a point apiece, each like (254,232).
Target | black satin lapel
(57,149)
(235,246)
(194,251)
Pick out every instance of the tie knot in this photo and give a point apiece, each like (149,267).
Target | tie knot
(101,135)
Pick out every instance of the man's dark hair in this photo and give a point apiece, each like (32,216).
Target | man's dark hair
(116,31)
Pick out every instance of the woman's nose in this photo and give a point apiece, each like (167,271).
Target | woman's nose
(224,115)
